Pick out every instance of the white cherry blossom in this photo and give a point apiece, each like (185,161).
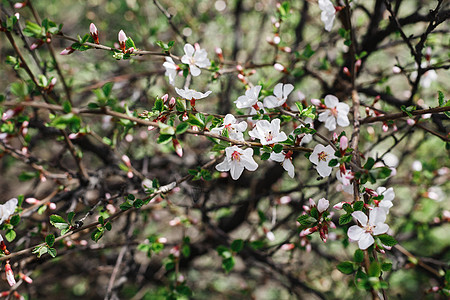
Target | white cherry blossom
(345,178)
(321,156)
(189,94)
(235,129)
(281,92)
(322,205)
(388,196)
(236,160)
(367,227)
(195,58)
(286,161)
(335,112)
(171,69)
(250,98)
(7,209)
(328,13)
(268,133)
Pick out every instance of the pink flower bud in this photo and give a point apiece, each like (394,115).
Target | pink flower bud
(20,5)
(242,78)
(287,247)
(197,47)
(31,201)
(239,68)
(279,67)
(286,49)
(25,278)
(126,160)
(347,72)
(130,174)
(67,51)
(308,231)
(316,102)
(52,206)
(122,37)
(385,127)
(358,65)
(343,143)
(270,236)
(93,29)
(185,117)
(276,39)
(312,203)
(396,70)
(172,102)
(322,205)
(9,275)
(410,122)
(284,200)
(53,81)
(17,15)
(165,97)
(178,148)
(34,46)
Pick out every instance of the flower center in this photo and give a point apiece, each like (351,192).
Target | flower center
(236,156)
(269,136)
(192,61)
(322,156)
(368,228)
(334,111)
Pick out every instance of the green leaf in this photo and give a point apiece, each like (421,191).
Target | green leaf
(164,138)
(308,52)
(181,128)
(265,156)
(14,220)
(108,226)
(70,217)
(52,252)
(358,257)
(358,205)
(237,245)
(346,267)
(277,148)
(10,235)
(125,206)
(193,120)
(97,234)
(138,203)
(159,105)
(386,266)
(306,220)
(130,43)
(374,269)
(50,240)
(344,219)
(228,264)
(180,106)
(441,98)
(19,89)
(42,250)
(387,240)
(24,176)
(67,107)
(333,162)
(107,88)
(369,164)
(57,219)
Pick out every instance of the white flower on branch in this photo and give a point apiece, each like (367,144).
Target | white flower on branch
(388,196)
(367,227)
(196,58)
(250,98)
(286,161)
(321,156)
(236,161)
(7,209)
(281,93)
(235,129)
(268,133)
(189,94)
(335,112)
(171,69)
(328,13)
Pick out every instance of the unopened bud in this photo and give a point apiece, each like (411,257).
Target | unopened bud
(276,39)
(287,247)
(126,160)
(242,78)
(122,39)
(178,148)
(286,49)
(343,143)
(347,72)
(396,70)
(316,102)
(279,67)
(67,51)
(20,5)
(9,275)
(25,278)
(94,33)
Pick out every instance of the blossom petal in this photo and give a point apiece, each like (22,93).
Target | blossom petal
(331,101)
(189,50)
(287,89)
(366,241)
(271,102)
(289,167)
(377,215)
(342,120)
(236,170)
(380,228)
(223,166)
(330,123)
(355,232)
(361,217)
(195,71)
(278,90)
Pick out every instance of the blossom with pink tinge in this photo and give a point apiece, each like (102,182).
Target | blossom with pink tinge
(368,227)
(171,69)
(235,129)
(322,205)
(335,112)
(249,99)
(9,275)
(236,160)
(281,93)
(268,133)
(321,156)
(286,161)
(195,58)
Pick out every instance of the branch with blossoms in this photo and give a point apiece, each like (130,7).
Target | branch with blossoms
(222,165)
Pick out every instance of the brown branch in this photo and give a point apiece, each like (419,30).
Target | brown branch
(400,115)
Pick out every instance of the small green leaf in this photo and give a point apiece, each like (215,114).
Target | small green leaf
(228,264)
(369,164)
(164,138)
(107,88)
(125,206)
(265,156)
(374,269)
(181,128)
(52,252)
(386,266)
(387,240)
(237,245)
(346,267)
(277,148)
(358,205)
(50,240)
(42,250)
(10,235)
(333,162)
(70,217)
(306,220)
(441,98)
(67,107)
(57,219)
(138,203)
(358,257)
(14,220)
(344,219)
